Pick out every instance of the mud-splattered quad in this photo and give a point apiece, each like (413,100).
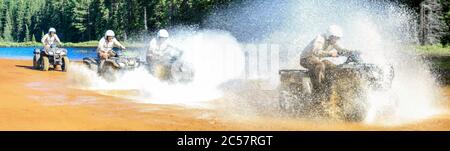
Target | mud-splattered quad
(342,95)
(114,65)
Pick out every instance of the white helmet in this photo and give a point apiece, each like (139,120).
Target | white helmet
(335,30)
(52,30)
(110,33)
(163,33)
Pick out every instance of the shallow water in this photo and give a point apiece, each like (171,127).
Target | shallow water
(27,53)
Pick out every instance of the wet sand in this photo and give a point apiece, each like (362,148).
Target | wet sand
(36,100)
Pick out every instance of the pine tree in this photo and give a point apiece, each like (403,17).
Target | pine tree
(7,30)
(27,34)
(42,34)
(446,9)
(160,18)
(80,18)
(33,39)
(2,17)
(19,12)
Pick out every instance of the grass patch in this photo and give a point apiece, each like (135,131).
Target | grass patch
(434,50)
(438,54)
(87,44)
(441,64)
(22,44)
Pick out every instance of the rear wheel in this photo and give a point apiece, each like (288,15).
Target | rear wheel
(45,64)
(295,92)
(66,62)
(35,61)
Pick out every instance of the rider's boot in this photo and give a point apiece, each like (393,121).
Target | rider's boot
(115,64)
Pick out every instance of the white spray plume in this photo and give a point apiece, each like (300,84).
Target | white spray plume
(215,56)
(384,32)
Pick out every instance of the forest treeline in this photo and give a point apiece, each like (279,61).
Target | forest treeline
(85,20)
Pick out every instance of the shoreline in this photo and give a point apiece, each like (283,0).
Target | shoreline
(86,44)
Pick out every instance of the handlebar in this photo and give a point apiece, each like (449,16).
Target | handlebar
(119,52)
(55,46)
(352,56)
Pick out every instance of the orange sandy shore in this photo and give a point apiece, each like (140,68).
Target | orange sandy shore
(36,100)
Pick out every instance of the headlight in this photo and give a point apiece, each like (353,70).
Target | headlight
(50,53)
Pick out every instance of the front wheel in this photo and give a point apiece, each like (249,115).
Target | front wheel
(161,72)
(45,64)
(66,62)
(354,112)
(181,72)
(108,71)
(285,103)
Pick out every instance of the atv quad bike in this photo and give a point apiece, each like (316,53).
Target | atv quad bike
(343,94)
(43,59)
(108,68)
(170,67)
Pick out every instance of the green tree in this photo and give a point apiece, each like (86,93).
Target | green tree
(7,30)
(99,15)
(2,17)
(80,18)
(33,39)
(27,34)
(446,8)
(18,13)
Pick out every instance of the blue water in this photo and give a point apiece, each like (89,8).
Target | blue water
(27,53)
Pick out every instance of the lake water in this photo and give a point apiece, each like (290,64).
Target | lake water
(27,53)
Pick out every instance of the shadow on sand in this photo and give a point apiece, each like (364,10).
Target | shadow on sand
(26,67)
(31,68)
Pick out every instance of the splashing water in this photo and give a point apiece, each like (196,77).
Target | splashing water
(215,56)
(383,31)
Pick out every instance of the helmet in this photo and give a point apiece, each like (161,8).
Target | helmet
(110,33)
(336,31)
(163,33)
(52,30)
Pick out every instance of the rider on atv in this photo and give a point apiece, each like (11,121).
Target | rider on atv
(159,46)
(50,39)
(161,54)
(165,60)
(106,45)
(325,45)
